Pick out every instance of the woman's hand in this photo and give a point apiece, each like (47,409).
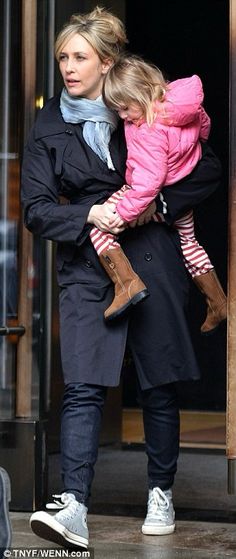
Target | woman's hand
(102,215)
(145,217)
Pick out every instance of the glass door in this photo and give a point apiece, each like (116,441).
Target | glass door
(24,260)
(9,200)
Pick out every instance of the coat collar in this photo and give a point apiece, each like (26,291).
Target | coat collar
(50,121)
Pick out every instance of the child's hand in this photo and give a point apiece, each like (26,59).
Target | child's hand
(116,221)
(100,216)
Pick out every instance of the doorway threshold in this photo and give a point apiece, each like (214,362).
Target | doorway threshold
(198,429)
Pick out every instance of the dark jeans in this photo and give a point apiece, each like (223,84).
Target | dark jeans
(80,428)
(161,429)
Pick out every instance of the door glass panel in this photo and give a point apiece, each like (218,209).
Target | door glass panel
(9,193)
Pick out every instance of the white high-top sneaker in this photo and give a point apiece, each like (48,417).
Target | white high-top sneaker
(68,526)
(160,519)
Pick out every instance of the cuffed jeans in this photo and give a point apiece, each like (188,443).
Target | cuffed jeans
(80,428)
(161,429)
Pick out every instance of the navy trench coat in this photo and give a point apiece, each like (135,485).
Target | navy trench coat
(57,162)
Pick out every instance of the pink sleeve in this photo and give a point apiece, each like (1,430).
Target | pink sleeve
(128,175)
(147,164)
(205,125)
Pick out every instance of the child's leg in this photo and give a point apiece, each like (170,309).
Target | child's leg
(102,241)
(129,288)
(202,271)
(106,241)
(196,259)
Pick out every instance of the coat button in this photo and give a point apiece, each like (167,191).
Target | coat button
(88,263)
(148,256)
(68,131)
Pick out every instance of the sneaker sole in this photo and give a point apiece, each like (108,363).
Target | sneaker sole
(46,527)
(158,530)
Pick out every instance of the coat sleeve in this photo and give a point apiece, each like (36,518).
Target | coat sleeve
(147,161)
(44,215)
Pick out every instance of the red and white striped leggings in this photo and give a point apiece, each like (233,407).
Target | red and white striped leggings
(195,257)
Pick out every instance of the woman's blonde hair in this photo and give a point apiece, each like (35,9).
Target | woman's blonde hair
(104,31)
(132,80)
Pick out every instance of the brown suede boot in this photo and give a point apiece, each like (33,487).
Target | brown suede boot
(129,288)
(216,300)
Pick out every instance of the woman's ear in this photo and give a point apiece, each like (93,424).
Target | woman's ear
(106,64)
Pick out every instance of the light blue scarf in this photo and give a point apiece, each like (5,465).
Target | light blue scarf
(99,122)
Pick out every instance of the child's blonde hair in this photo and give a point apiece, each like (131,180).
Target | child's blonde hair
(132,80)
(104,31)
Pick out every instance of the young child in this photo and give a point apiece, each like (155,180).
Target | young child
(165,124)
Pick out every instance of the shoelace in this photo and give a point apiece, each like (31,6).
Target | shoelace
(65,500)
(67,505)
(158,503)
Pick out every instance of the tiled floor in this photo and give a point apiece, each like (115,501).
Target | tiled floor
(121,538)
(206,514)
(120,485)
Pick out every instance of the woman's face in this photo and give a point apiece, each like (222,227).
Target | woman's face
(81,68)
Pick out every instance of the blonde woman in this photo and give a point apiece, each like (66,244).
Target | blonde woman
(77,149)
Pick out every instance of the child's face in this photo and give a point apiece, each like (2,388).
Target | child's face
(132,112)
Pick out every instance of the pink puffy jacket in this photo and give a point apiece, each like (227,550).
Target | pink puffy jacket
(167,151)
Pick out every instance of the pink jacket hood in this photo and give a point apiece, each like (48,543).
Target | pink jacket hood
(167,151)
(183,100)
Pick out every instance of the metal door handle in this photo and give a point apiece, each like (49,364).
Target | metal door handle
(7,330)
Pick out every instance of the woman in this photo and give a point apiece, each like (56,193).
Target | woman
(77,149)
